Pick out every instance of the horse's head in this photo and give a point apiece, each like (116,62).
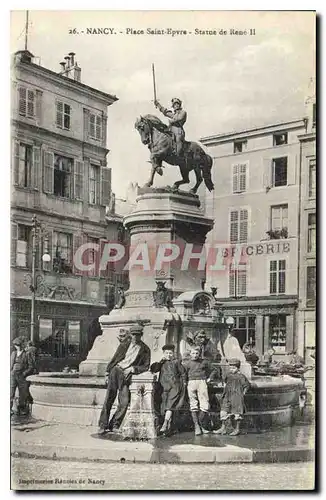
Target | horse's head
(144,129)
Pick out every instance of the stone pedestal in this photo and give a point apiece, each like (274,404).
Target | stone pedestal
(163,222)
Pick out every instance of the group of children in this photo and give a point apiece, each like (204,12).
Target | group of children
(192,376)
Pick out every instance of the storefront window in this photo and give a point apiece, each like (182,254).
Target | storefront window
(59,338)
(277,332)
(245,330)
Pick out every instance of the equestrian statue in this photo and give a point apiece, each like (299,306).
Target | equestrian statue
(167,143)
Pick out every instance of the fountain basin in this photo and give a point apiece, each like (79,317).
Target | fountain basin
(68,398)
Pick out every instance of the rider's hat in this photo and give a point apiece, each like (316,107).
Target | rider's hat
(175,99)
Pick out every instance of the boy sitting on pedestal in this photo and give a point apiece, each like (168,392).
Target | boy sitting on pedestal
(232,402)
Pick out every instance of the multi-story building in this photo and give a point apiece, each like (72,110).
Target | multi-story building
(60,174)
(255,206)
(307,241)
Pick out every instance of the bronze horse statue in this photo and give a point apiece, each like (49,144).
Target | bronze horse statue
(157,136)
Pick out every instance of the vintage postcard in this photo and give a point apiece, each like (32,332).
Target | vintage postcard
(163,250)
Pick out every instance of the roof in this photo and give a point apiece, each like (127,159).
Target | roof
(108,97)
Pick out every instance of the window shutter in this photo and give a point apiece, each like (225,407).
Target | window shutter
(30,103)
(243,226)
(36,167)
(242,177)
(22,107)
(14,236)
(267,172)
(16,162)
(59,116)
(99,127)
(47,248)
(104,273)
(235,178)
(38,106)
(234,226)
(231,282)
(92,125)
(105,186)
(78,240)
(242,282)
(292,165)
(104,125)
(48,171)
(86,124)
(78,177)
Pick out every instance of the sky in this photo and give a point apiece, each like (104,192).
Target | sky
(226,82)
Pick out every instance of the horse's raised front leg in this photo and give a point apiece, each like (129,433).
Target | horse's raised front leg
(184,180)
(199,180)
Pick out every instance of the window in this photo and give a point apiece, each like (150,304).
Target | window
(238,280)
(277,269)
(94,183)
(62,250)
(279,222)
(23,246)
(245,330)
(26,105)
(314,115)
(62,181)
(239,146)
(92,256)
(280,172)
(239,178)
(25,165)
(238,226)
(311,286)
(312,178)
(63,115)
(95,126)
(280,138)
(59,338)
(277,331)
(311,233)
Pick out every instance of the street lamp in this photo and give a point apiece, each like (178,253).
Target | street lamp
(45,258)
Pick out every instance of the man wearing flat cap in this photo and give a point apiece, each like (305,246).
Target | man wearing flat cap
(20,368)
(177,118)
(131,357)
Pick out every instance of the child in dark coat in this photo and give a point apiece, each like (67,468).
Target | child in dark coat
(232,402)
(172,378)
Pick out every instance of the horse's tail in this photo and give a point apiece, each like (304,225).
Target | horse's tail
(206,170)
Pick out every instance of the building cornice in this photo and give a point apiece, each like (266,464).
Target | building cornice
(37,129)
(66,82)
(310,136)
(252,132)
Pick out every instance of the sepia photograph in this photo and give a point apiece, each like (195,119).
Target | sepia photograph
(163,250)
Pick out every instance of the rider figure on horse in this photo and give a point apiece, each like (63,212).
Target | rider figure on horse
(177,118)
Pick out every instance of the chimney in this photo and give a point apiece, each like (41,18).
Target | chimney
(67,58)
(72,58)
(63,66)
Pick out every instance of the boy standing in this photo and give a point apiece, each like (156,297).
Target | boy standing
(232,402)
(199,372)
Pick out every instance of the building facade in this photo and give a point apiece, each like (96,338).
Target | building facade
(308,228)
(60,175)
(255,205)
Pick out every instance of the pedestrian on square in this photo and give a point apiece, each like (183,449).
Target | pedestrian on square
(232,402)
(20,368)
(199,371)
(131,357)
(172,379)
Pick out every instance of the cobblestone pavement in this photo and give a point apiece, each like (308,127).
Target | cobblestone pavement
(115,476)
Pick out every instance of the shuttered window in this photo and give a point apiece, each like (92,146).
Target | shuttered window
(95,126)
(239,226)
(105,186)
(63,115)
(78,176)
(26,105)
(239,178)
(238,280)
(277,276)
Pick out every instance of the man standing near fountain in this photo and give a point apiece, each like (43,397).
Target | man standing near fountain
(131,357)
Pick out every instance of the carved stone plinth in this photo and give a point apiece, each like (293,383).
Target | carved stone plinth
(140,420)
